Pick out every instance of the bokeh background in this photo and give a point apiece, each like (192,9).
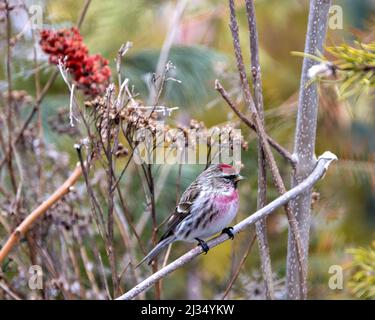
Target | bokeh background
(344,214)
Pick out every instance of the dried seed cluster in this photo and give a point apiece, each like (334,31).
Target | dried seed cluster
(90,72)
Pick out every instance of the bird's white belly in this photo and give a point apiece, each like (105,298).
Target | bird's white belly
(221,221)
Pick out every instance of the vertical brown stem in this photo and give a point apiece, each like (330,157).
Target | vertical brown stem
(10,100)
(110,172)
(154,227)
(261,226)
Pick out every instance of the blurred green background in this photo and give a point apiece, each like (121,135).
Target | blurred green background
(344,216)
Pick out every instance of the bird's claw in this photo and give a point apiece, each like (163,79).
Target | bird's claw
(229,232)
(203,245)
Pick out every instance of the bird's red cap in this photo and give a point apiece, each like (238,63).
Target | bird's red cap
(226,168)
(224,165)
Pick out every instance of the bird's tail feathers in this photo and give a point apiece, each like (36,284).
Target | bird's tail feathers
(159,247)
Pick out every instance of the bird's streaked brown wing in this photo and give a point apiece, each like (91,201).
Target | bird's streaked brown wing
(183,209)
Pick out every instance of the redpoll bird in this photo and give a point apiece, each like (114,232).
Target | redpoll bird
(206,207)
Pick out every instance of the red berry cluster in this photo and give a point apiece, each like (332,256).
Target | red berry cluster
(90,72)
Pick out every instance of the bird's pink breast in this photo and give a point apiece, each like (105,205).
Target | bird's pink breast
(227,198)
(227,207)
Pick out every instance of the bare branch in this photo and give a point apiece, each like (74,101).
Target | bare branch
(9,117)
(242,262)
(318,172)
(246,119)
(261,226)
(38,212)
(83,13)
(304,148)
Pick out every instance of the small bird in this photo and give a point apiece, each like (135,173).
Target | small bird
(206,207)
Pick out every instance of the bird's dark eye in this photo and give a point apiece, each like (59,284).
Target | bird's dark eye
(231,177)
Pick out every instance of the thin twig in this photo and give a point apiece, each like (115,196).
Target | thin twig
(242,262)
(88,266)
(129,220)
(83,13)
(110,192)
(9,118)
(154,226)
(261,226)
(246,119)
(96,209)
(121,52)
(8,291)
(20,231)
(103,275)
